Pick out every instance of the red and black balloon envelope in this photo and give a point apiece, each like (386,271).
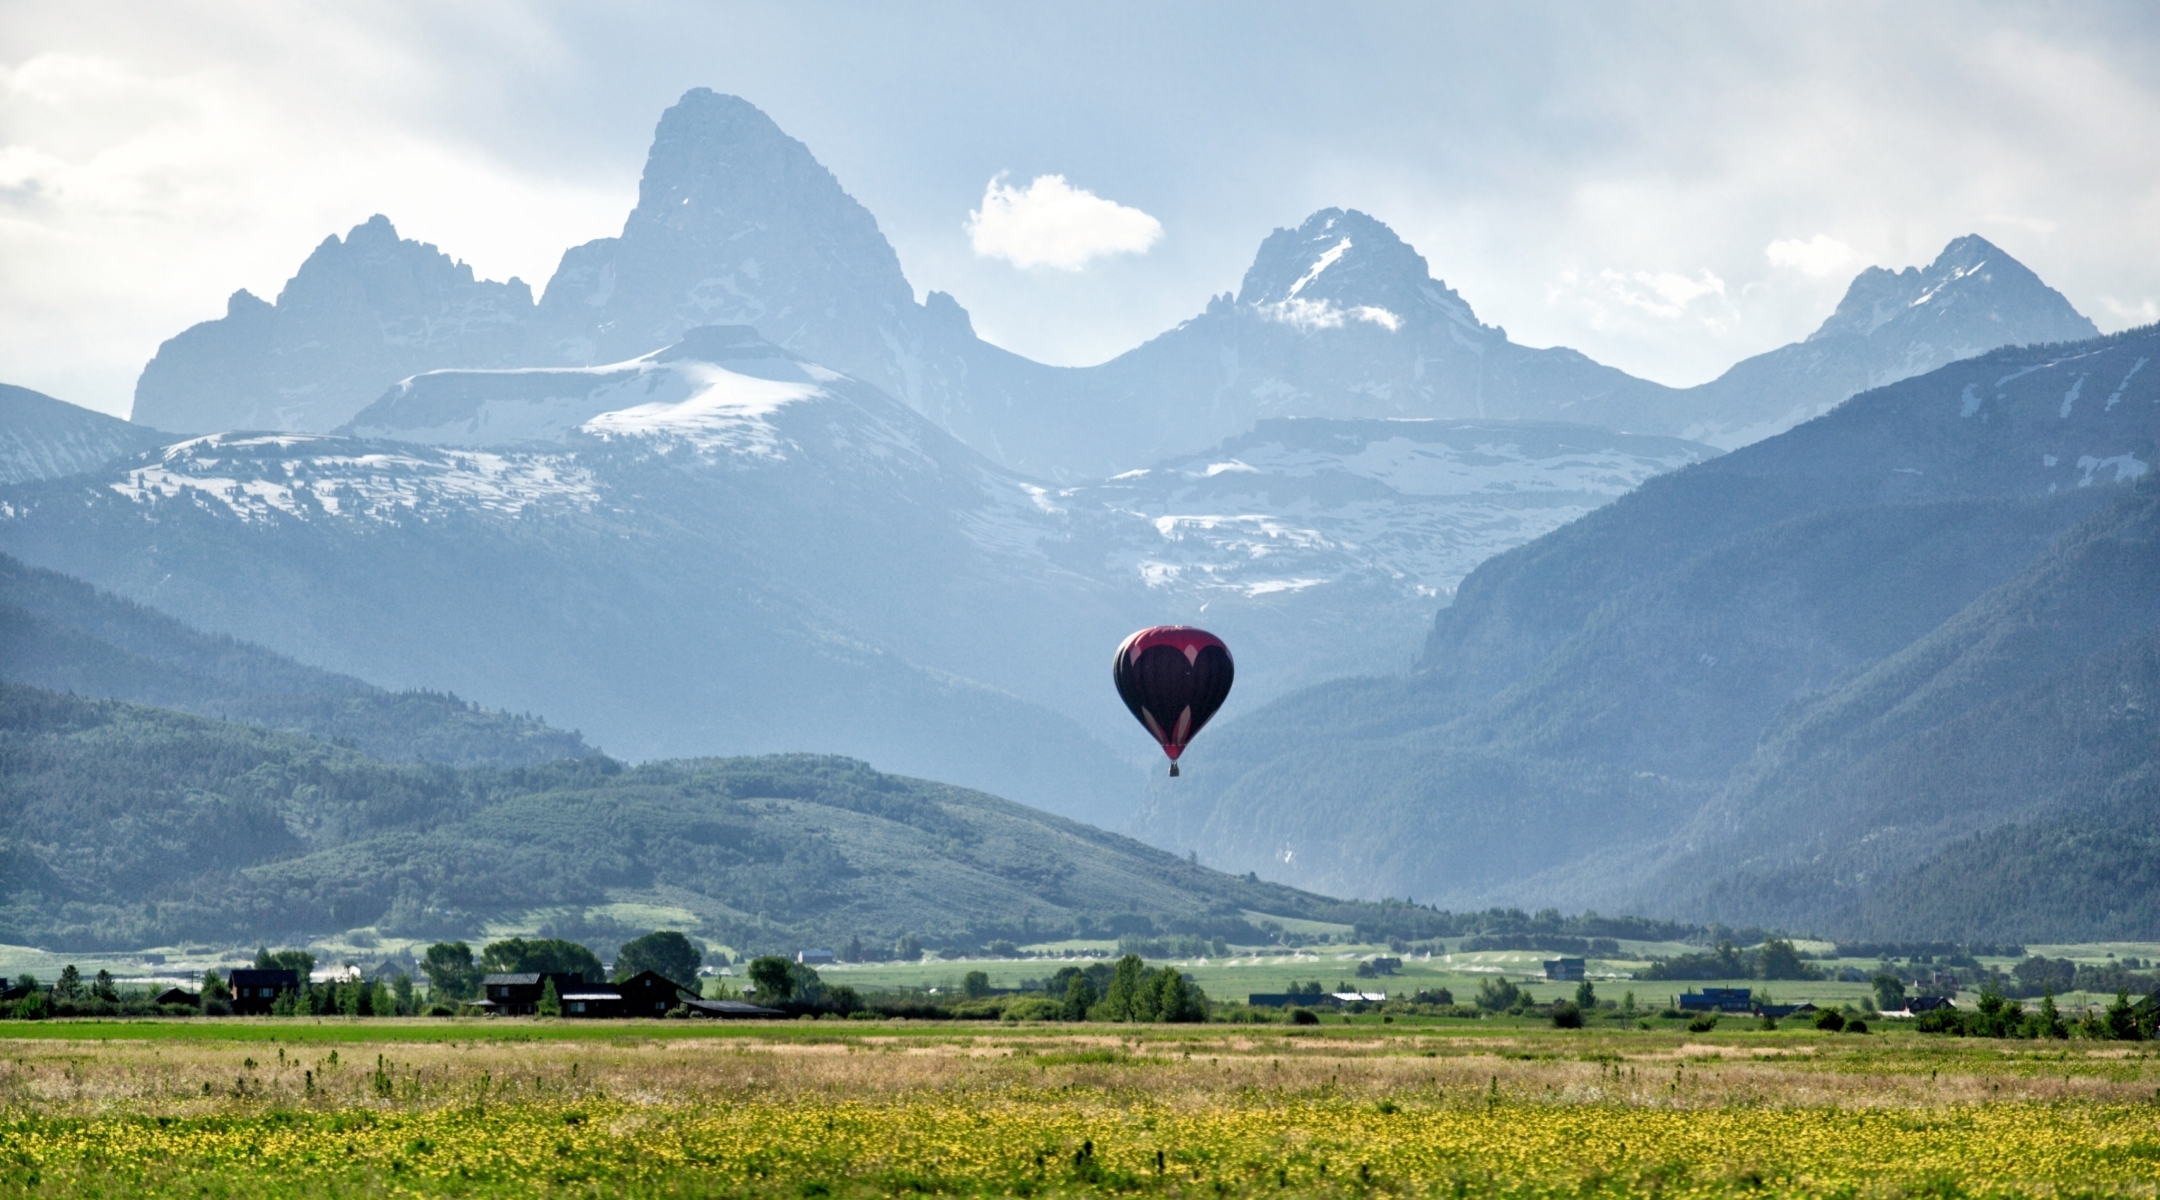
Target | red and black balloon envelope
(1173,678)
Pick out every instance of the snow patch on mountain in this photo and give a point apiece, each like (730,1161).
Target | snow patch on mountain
(261,477)
(1410,505)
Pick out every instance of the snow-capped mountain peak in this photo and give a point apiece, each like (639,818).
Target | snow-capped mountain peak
(1342,267)
(1972,283)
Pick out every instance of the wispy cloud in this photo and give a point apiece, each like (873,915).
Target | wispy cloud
(1050,223)
(1818,256)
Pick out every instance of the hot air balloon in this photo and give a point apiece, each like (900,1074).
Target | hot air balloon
(1173,678)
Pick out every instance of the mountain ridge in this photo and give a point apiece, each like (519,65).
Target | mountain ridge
(737,223)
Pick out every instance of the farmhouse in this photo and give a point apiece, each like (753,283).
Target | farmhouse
(518,994)
(254,990)
(178,995)
(1565,970)
(1718,1000)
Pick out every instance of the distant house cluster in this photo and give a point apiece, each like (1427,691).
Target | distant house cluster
(645,994)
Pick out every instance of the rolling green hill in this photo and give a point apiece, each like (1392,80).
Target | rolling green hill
(129,826)
(60,633)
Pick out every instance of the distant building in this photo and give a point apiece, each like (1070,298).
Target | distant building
(1718,1000)
(1916,1005)
(255,990)
(814,958)
(1291,999)
(1565,970)
(518,994)
(651,994)
(176,995)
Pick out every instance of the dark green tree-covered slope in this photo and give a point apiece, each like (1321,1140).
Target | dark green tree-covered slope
(126,825)
(2036,707)
(61,633)
(1585,703)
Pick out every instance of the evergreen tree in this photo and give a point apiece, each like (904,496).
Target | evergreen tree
(104,988)
(70,985)
(2048,1022)
(402,992)
(1585,996)
(2122,1023)
(1079,997)
(213,987)
(550,1002)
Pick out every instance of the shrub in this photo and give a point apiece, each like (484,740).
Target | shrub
(1830,1020)
(1703,1024)
(1035,1008)
(1856,1025)
(1565,1015)
(1304,1016)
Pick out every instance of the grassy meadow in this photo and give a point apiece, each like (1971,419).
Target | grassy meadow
(1501,1107)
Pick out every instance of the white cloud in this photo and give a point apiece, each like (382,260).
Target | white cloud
(1660,293)
(1818,256)
(1051,223)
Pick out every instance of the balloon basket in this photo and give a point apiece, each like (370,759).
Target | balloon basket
(1173,770)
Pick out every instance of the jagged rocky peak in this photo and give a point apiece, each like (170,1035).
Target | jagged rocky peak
(361,312)
(1343,266)
(398,275)
(1970,296)
(735,222)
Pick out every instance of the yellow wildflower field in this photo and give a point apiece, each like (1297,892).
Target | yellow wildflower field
(890,1113)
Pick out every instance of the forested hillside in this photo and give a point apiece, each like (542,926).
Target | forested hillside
(61,633)
(1761,688)
(129,826)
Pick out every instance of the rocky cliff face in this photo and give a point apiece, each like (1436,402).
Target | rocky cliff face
(736,224)
(360,314)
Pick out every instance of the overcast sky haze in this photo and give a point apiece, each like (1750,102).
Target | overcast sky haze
(1665,188)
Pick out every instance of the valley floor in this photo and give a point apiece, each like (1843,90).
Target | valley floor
(820,1108)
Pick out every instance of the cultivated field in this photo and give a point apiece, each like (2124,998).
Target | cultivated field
(503,1107)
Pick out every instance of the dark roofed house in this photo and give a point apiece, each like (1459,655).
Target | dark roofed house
(1292,999)
(181,996)
(254,990)
(1565,970)
(9,993)
(1718,1000)
(518,994)
(651,994)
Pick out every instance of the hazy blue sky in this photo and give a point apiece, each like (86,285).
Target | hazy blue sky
(1667,188)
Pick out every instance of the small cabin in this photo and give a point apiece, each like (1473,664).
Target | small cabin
(1565,970)
(517,994)
(255,989)
(1718,1000)
(179,996)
